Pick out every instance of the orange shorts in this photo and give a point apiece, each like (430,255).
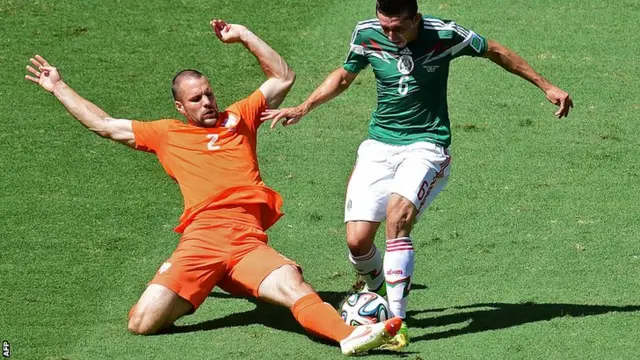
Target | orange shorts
(233,256)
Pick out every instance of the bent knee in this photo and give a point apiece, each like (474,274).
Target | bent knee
(292,270)
(360,242)
(284,286)
(291,277)
(358,246)
(141,324)
(296,287)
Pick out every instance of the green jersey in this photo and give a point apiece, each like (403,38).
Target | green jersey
(412,81)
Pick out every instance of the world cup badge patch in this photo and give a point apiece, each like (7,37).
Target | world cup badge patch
(230,123)
(476,43)
(405,64)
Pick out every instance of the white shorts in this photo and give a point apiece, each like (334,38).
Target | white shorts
(417,172)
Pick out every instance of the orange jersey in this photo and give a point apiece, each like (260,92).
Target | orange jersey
(217,167)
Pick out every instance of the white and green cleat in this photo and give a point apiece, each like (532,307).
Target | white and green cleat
(400,340)
(373,336)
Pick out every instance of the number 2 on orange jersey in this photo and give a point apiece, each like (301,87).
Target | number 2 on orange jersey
(212,140)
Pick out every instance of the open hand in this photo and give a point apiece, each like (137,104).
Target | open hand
(289,116)
(45,75)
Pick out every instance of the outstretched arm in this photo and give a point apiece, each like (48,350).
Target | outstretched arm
(91,116)
(280,77)
(515,64)
(337,82)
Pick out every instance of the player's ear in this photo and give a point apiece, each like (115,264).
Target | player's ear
(416,19)
(180,107)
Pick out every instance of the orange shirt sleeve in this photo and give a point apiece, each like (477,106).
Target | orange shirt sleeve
(250,109)
(150,135)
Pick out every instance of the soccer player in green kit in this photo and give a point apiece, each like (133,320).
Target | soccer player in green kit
(405,161)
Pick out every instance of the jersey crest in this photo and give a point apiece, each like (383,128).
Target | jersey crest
(405,64)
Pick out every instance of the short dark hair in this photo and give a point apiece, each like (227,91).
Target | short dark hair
(187,73)
(397,7)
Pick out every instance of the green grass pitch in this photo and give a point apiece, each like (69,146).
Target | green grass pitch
(531,252)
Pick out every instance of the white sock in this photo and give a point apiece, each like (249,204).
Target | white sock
(369,266)
(399,261)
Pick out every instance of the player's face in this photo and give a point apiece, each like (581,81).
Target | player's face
(400,29)
(197,102)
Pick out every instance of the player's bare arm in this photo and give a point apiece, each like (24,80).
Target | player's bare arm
(90,115)
(512,62)
(280,77)
(337,82)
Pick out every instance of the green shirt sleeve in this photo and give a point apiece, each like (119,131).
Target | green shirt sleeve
(466,42)
(356,59)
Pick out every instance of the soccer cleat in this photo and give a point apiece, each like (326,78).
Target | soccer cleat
(368,337)
(400,340)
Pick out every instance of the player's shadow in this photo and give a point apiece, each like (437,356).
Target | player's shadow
(273,316)
(466,319)
(494,316)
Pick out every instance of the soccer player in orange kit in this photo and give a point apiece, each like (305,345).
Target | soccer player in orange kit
(228,208)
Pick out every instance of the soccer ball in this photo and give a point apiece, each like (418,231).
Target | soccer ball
(364,308)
